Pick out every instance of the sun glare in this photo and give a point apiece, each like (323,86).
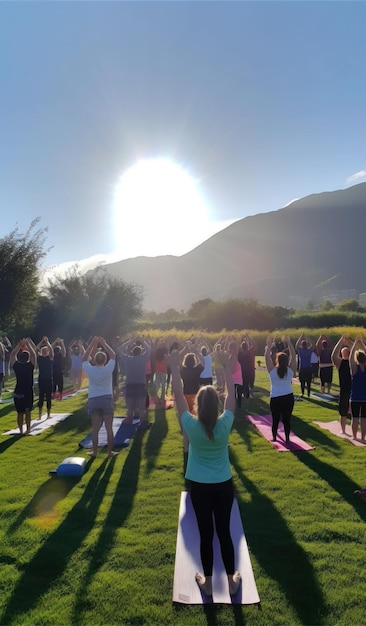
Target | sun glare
(158,210)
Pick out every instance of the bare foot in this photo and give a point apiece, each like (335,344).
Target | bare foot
(112,454)
(234,583)
(91,453)
(204,583)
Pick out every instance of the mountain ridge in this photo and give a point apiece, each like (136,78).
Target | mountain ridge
(285,257)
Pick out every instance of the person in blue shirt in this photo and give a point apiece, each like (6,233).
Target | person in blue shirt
(208,469)
(357,364)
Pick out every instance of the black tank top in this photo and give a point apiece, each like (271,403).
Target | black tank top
(344,375)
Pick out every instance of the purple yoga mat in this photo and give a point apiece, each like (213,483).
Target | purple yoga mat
(188,562)
(263,423)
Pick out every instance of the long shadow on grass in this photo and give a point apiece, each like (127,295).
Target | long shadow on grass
(309,432)
(53,557)
(4,445)
(77,422)
(278,553)
(336,479)
(118,513)
(155,440)
(244,427)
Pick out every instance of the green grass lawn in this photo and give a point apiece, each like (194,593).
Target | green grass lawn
(101,551)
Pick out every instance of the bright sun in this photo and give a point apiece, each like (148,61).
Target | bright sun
(158,210)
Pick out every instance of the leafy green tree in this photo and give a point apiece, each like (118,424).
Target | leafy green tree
(20,258)
(198,308)
(349,305)
(327,306)
(91,304)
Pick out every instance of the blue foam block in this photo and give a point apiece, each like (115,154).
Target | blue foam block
(72,466)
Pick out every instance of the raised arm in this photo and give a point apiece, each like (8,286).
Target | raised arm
(32,352)
(174,359)
(335,356)
(63,347)
(298,343)
(14,352)
(267,354)
(49,346)
(357,345)
(319,342)
(292,357)
(91,349)
(109,351)
(229,403)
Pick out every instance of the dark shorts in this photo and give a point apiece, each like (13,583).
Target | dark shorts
(343,405)
(326,375)
(101,405)
(135,395)
(358,409)
(305,374)
(23,402)
(58,381)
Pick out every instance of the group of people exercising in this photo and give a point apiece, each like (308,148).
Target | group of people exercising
(205,426)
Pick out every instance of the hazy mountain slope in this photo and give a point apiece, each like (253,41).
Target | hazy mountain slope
(305,250)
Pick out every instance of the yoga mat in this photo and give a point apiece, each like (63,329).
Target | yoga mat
(335,429)
(126,432)
(327,397)
(188,561)
(263,423)
(38,426)
(73,392)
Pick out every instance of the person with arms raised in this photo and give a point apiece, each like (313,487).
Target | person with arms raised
(23,360)
(281,394)
(340,358)
(98,363)
(208,470)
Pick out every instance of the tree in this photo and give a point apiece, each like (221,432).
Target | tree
(20,257)
(198,308)
(327,306)
(91,304)
(349,305)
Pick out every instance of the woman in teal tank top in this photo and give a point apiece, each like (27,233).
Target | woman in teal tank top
(208,469)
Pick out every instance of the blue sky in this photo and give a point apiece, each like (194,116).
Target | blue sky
(260,102)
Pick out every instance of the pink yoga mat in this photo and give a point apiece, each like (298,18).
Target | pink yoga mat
(263,423)
(188,561)
(335,429)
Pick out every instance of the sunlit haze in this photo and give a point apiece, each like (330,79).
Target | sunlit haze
(160,209)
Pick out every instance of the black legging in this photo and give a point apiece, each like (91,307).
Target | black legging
(305,376)
(214,500)
(45,391)
(238,394)
(281,408)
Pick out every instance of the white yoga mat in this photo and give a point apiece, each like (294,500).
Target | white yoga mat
(38,426)
(188,561)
